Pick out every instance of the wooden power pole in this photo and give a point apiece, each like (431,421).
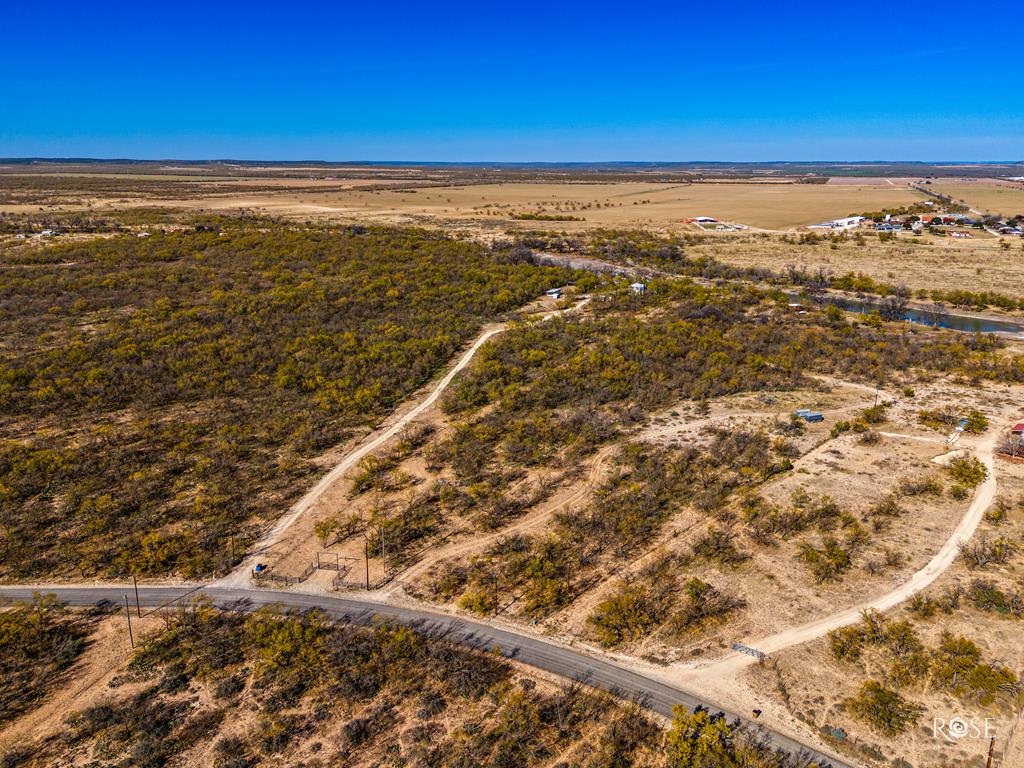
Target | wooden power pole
(991,750)
(138,607)
(128,613)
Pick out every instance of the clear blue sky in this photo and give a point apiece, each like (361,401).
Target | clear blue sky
(513,81)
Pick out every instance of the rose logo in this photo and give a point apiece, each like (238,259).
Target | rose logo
(957,728)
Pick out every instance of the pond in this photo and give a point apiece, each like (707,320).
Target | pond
(944,319)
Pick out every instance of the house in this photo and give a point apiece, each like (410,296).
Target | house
(1018,429)
(704,220)
(888,228)
(1010,231)
(637,288)
(554,293)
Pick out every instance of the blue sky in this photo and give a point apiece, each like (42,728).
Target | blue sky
(513,81)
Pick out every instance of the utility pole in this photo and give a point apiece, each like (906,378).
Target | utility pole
(138,607)
(366,560)
(991,749)
(383,551)
(128,613)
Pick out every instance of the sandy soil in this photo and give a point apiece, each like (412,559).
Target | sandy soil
(109,649)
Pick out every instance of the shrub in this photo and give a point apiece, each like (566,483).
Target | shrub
(998,512)
(930,486)
(956,666)
(977,422)
(983,551)
(968,471)
(704,606)
(846,643)
(827,563)
(883,709)
(988,597)
(719,546)
(629,613)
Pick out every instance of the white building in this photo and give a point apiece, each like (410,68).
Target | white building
(848,223)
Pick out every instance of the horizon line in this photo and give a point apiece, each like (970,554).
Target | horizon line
(225,160)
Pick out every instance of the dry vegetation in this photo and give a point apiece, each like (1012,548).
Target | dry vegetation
(629,476)
(230,688)
(162,397)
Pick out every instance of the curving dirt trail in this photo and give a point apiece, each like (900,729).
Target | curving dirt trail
(943,559)
(241,574)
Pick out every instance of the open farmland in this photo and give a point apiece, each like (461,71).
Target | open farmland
(1005,198)
(573,204)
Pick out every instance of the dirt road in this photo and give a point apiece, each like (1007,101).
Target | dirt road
(240,575)
(943,559)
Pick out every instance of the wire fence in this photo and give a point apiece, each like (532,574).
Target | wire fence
(325,561)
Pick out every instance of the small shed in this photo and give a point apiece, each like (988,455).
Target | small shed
(637,288)
(1018,429)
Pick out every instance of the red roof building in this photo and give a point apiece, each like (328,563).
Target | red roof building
(1018,429)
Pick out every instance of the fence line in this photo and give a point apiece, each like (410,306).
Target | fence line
(343,565)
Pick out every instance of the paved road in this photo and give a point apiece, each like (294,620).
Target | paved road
(550,657)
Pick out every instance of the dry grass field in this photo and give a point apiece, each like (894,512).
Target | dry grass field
(765,206)
(926,262)
(427,199)
(994,196)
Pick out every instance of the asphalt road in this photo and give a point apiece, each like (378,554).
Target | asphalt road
(550,657)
